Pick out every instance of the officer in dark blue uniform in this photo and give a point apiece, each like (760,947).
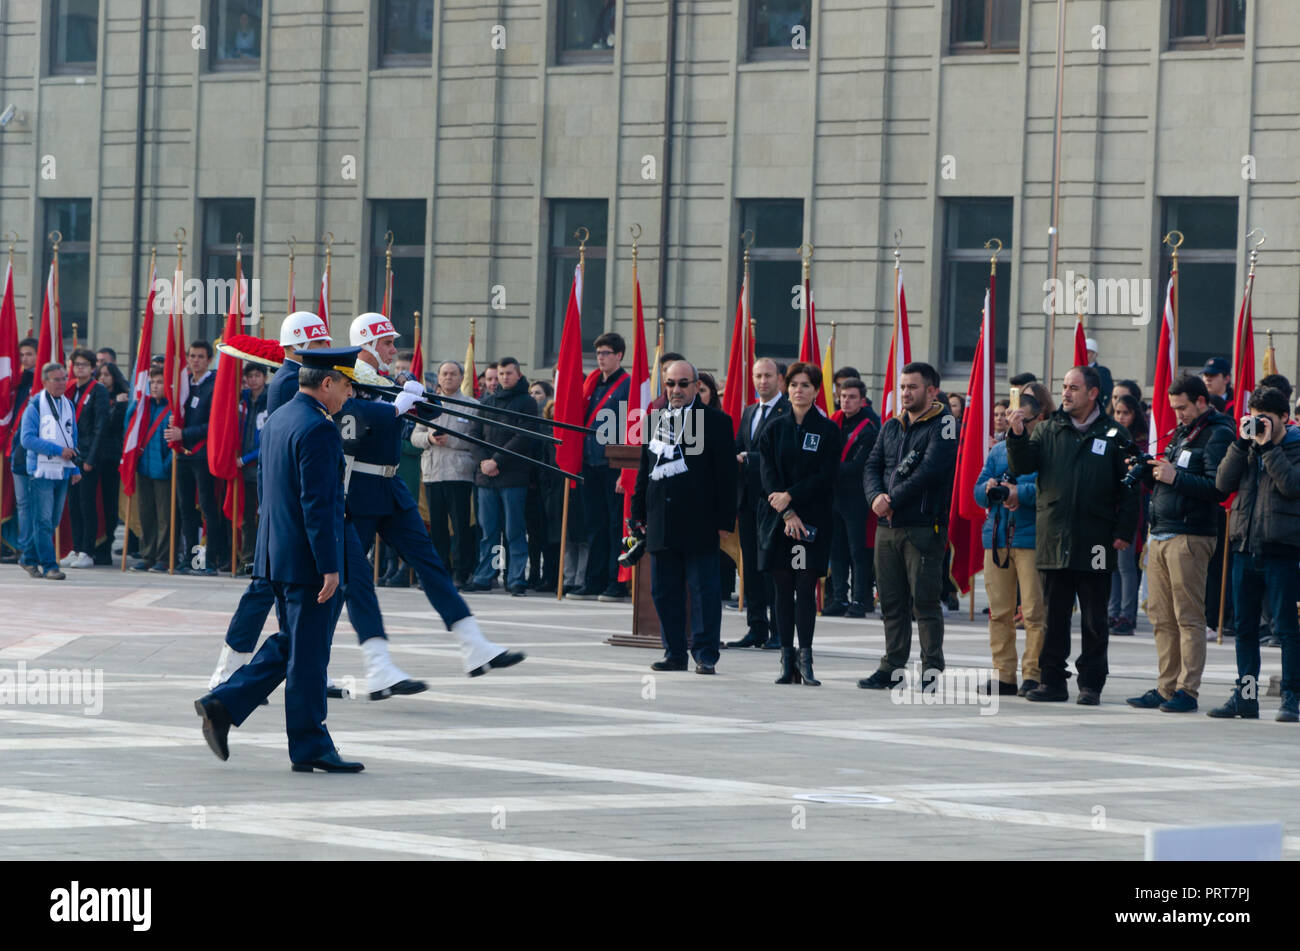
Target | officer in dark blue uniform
(300,553)
(379,503)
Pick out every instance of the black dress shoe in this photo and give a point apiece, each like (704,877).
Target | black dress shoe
(666,664)
(329,763)
(856,610)
(749,640)
(519,591)
(834,609)
(704,669)
(504,659)
(474,587)
(773,643)
(1004,689)
(400,689)
(334,692)
(1027,686)
(1046,693)
(880,680)
(216,725)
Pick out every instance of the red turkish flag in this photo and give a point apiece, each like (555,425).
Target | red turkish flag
(809,347)
(966,517)
(739,390)
(569,402)
(138,425)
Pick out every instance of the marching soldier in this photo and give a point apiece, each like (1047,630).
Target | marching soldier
(300,553)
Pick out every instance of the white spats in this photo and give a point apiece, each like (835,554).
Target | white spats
(229,662)
(381,672)
(475,649)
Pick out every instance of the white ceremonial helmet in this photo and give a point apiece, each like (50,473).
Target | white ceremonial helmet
(301,328)
(366,329)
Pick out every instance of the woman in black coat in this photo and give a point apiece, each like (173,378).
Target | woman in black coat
(799,453)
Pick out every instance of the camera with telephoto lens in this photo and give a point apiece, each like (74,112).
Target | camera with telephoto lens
(633,545)
(908,464)
(999,493)
(1141,458)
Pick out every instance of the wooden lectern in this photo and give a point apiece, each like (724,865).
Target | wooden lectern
(645,620)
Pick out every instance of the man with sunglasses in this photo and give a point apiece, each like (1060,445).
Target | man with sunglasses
(685,499)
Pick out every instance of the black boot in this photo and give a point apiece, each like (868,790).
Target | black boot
(805,667)
(789,673)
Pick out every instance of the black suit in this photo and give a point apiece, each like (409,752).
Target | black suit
(683,513)
(760,596)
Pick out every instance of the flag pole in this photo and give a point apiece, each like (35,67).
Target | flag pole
(16,422)
(640,342)
(582,234)
(176,389)
(74,335)
(328,238)
(1174,246)
(747,389)
(139,346)
(388,275)
(239,475)
(1227,521)
(290,302)
(55,315)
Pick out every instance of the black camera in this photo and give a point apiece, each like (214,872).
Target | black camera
(908,464)
(999,493)
(1141,458)
(633,545)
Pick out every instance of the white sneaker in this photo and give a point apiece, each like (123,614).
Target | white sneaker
(83,561)
(67,560)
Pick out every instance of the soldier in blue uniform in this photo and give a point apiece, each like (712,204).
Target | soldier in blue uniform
(300,553)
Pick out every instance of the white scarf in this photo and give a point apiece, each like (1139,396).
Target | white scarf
(55,429)
(667,443)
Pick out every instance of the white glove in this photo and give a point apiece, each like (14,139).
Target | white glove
(405,400)
(413,386)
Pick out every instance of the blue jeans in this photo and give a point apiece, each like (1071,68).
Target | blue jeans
(1124,586)
(45,499)
(494,506)
(1256,580)
(21,482)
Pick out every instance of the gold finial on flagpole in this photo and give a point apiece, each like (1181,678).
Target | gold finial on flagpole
(806,257)
(1254,248)
(993,261)
(13,238)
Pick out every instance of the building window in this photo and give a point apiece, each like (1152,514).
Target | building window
(235,34)
(981,26)
(585,31)
(74,40)
(225,221)
(776,273)
(1204,24)
(566,218)
(778,29)
(405,219)
(406,32)
(71,218)
(968,224)
(1207,276)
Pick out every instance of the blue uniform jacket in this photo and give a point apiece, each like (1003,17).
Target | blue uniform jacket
(1026,533)
(300,480)
(374,436)
(283,385)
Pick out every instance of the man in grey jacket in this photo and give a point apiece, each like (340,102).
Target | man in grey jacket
(1263,468)
(447,471)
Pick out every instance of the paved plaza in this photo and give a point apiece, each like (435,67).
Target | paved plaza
(582,753)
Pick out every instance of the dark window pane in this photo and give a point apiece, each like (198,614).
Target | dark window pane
(566,218)
(1206,224)
(236,32)
(967,282)
(1188,17)
(1006,24)
(70,218)
(971,223)
(586,25)
(776,224)
(405,218)
(1234,17)
(1207,310)
(224,219)
(773,23)
(406,30)
(76,35)
(776,320)
(968,21)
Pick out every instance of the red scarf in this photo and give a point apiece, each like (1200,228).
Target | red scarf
(589,387)
(81,403)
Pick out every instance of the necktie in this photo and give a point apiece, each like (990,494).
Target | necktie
(761,417)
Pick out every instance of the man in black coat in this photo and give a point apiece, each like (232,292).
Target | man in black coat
(908,484)
(685,499)
(849,540)
(759,593)
(91,404)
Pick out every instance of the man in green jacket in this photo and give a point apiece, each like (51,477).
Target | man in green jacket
(1084,517)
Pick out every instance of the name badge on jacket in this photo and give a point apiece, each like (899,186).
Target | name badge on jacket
(1099,447)
(194,402)
(810,441)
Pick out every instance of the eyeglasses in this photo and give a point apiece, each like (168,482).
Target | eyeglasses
(604,353)
(680,384)
(81,364)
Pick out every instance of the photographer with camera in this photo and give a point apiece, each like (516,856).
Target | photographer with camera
(908,483)
(1263,468)
(685,499)
(1085,515)
(1009,538)
(1183,520)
